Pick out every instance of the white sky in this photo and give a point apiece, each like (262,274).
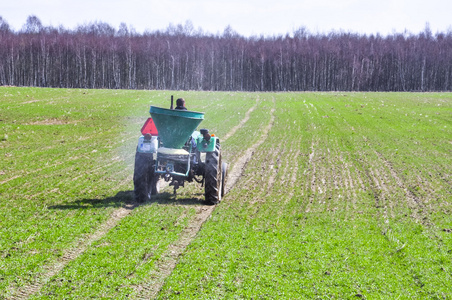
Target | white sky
(247,17)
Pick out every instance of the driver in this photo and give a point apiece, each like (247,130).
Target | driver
(180,104)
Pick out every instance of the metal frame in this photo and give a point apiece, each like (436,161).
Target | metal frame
(173,173)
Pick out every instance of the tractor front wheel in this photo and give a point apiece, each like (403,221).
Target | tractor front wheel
(213,176)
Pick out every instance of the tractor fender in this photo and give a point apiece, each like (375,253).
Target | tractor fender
(207,146)
(147,146)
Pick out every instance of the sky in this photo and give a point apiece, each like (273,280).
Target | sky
(246,17)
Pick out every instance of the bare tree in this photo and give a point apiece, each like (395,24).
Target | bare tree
(98,56)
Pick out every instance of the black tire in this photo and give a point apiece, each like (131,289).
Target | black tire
(155,187)
(212,176)
(144,181)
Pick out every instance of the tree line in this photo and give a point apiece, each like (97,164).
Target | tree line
(181,58)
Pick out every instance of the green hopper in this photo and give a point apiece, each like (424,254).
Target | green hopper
(175,126)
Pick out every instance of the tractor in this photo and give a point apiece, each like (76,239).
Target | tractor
(171,150)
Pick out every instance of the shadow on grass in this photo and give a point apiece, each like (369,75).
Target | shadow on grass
(124,198)
(119,200)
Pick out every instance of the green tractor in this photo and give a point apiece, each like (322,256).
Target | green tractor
(171,150)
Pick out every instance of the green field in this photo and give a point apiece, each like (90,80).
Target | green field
(331,196)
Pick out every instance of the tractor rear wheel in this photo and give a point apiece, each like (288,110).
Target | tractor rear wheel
(213,176)
(144,181)
(155,188)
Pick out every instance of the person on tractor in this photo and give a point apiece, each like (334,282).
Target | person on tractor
(180,104)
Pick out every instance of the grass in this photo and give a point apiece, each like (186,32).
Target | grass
(364,217)
(68,164)
(348,197)
(124,257)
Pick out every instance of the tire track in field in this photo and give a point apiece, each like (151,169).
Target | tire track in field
(9,179)
(242,122)
(240,164)
(51,270)
(170,258)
